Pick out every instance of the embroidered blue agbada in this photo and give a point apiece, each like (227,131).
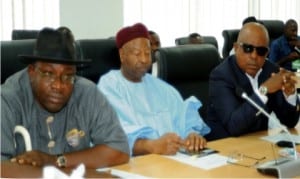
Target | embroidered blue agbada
(151,108)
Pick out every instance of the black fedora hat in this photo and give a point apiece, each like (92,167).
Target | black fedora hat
(54,46)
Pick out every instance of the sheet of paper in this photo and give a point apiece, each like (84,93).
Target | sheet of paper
(281,136)
(51,172)
(207,162)
(123,174)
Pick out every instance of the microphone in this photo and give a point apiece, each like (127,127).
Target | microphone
(244,95)
(284,168)
(297,49)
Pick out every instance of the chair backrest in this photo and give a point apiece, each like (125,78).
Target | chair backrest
(182,41)
(230,36)
(206,40)
(274,27)
(104,55)
(24,34)
(103,52)
(10,60)
(187,68)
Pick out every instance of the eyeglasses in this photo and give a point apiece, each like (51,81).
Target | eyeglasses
(51,77)
(240,159)
(248,48)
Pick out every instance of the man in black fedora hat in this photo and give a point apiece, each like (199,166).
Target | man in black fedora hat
(68,119)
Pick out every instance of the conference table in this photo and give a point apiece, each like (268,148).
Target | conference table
(158,166)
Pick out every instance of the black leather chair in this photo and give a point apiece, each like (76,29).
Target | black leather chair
(274,27)
(206,40)
(103,52)
(10,60)
(24,34)
(187,68)
(182,41)
(104,55)
(230,36)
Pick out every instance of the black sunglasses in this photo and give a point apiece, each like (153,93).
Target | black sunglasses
(248,48)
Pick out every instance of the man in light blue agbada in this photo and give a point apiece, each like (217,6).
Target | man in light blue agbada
(153,114)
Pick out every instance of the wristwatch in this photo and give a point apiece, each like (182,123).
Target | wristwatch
(263,90)
(61,161)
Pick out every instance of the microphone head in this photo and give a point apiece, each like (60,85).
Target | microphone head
(297,49)
(239,91)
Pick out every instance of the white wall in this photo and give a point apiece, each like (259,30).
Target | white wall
(90,19)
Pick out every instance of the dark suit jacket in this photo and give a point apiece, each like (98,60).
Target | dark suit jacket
(231,115)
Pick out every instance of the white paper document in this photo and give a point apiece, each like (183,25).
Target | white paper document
(51,172)
(207,162)
(123,174)
(281,136)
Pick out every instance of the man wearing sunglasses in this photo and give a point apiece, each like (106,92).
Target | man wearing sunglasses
(286,48)
(270,87)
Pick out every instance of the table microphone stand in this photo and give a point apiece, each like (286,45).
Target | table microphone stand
(283,167)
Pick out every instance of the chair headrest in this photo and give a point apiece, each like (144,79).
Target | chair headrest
(19,34)
(104,55)
(10,60)
(275,28)
(186,62)
(206,40)
(230,36)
